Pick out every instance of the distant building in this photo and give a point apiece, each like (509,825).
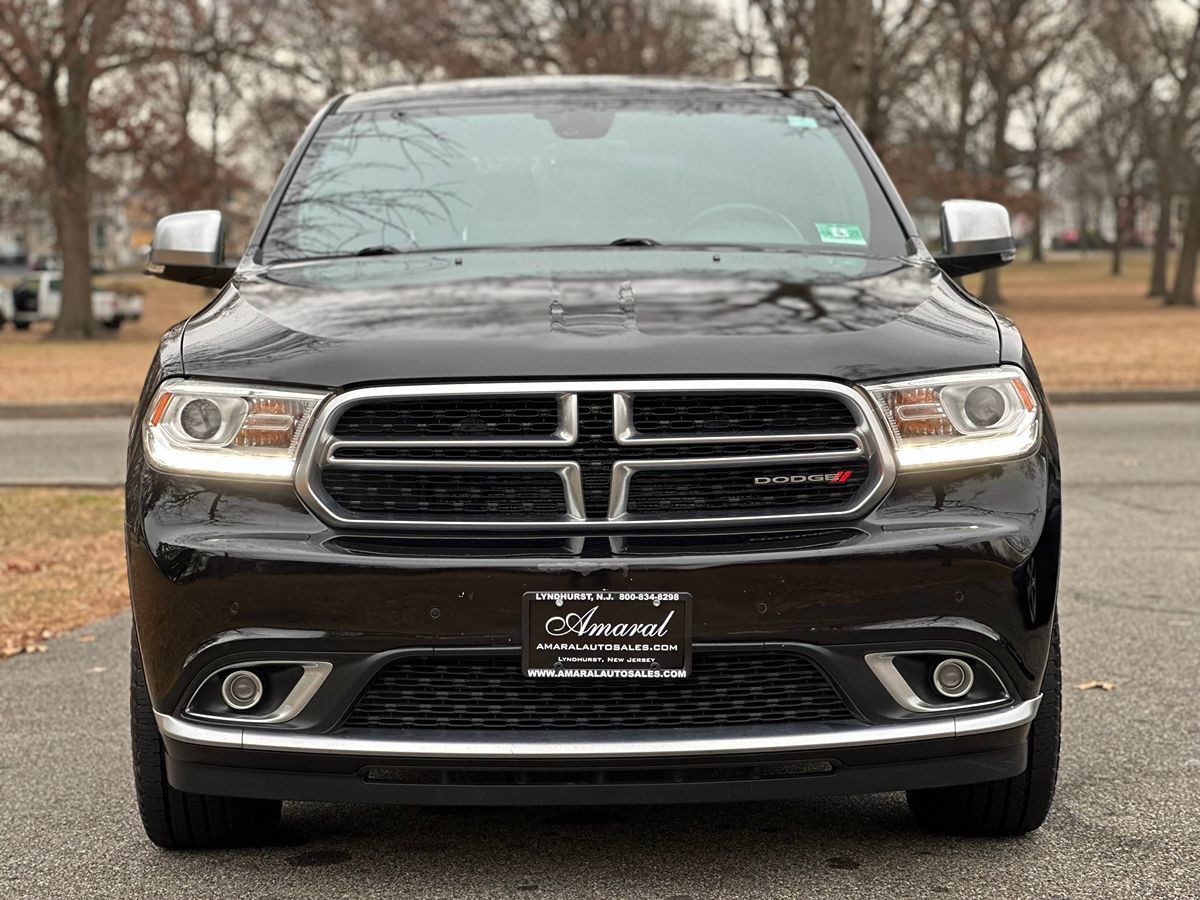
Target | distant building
(27,233)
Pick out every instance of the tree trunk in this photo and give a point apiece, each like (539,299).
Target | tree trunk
(71,208)
(1119,236)
(1162,240)
(962,126)
(840,58)
(999,172)
(1183,293)
(1035,184)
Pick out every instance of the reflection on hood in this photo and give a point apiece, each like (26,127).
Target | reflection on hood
(521,310)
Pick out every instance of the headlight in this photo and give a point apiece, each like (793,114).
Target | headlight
(967,417)
(207,428)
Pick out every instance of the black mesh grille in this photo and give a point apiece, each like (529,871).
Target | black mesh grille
(490,692)
(382,494)
(400,494)
(665,415)
(730,490)
(447,418)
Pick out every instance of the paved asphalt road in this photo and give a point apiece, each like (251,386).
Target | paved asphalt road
(1126,824)
(63,451)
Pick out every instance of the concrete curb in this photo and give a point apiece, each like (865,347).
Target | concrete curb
(1129,395)
(123,410)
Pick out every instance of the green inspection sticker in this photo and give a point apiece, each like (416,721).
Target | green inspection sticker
(832,233)
(802,122)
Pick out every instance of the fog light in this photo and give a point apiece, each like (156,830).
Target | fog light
(953,678)
(241,689)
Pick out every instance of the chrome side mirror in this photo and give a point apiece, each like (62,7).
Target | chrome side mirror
(190,247)
(976,235)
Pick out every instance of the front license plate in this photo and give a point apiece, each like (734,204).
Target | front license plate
(607,634)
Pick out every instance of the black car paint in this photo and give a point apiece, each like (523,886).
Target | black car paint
(410,318)
(221,570)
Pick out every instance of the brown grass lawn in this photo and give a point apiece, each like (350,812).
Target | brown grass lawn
(63,567)
(34,370)
(1086,328)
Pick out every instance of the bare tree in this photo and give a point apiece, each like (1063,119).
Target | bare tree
(627,37)
(840,58)
(1117,84)
(1183,291)
(1171,114)
(53,55)
(1049,106)
(787,25)
(905,37)
(1015,41)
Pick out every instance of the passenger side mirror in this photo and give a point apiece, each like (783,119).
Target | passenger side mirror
(190,247)
(976,235)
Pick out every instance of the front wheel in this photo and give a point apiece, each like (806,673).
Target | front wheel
(177,820)
(22,326)
(1011,806)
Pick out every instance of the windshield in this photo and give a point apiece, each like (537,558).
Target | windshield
(552,172)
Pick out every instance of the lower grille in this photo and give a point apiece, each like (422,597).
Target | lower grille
(490,692)
(396,494)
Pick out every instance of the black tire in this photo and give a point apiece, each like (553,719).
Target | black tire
(1012,806)
(177,820)
(112,324)
(22,326)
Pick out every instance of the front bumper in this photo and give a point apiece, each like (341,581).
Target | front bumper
(963,560)
(639,767)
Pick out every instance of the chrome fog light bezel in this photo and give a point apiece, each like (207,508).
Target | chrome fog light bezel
(883,665)
(312,677)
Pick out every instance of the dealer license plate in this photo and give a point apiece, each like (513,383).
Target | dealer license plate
(607,634)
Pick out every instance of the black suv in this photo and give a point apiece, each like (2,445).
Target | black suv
(590,441)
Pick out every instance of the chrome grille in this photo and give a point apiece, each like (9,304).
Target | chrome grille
(594,454)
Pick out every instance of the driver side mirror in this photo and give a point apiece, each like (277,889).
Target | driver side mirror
(976,235)
(190,247)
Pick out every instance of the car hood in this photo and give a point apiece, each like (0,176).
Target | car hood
(579,314)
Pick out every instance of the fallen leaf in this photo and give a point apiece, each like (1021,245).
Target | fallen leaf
(1094,685)
(23,566)
(86,638)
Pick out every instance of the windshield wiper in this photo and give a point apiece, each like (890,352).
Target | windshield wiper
(634,242)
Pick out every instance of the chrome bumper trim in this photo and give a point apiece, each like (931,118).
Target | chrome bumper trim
(557,746)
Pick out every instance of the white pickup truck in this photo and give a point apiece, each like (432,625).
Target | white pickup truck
(37,297)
